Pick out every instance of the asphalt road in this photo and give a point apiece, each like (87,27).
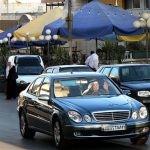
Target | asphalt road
(10,138)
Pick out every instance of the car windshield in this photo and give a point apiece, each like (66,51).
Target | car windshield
(76,69)
(29,70)
(28,61)
(135,73)
(82,86)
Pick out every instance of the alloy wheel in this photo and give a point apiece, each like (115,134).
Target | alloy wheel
(57,136)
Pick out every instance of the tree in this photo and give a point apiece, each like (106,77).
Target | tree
(113,51)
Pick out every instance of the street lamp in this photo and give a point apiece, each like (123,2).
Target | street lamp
(5,40)
(9,35)
(48,37)
(55,37)
(14,39)
(41,37)
(144,22)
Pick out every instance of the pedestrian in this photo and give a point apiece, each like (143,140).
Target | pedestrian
(11,91)
(93,60)
(88,58)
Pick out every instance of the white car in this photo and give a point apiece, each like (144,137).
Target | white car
(28,67)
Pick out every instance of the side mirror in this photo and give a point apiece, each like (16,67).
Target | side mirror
(43,97)
(126,92)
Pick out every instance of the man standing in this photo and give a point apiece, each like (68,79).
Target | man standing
(93,60)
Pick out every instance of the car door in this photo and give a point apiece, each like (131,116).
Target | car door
(31,100)
(44,108)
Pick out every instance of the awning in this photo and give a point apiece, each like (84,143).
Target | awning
(134,38)
(35,27)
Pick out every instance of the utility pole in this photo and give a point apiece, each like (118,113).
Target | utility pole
(70,25)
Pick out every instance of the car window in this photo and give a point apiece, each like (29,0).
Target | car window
(29,70)
(36,86)
(76,69)
(49,70)
(56,70)
(28,61)
(114,73)
(45,87)
(100,70)
(82,87)
(135,73)
(106,71)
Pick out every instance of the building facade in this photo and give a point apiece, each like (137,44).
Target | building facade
(12,10)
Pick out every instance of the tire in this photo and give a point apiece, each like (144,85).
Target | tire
(139,140)
(58,137)
(24,130)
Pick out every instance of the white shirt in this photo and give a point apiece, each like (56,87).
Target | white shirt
(7,71)
(92,61)
(87,60)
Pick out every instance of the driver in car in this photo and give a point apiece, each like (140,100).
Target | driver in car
(94,89)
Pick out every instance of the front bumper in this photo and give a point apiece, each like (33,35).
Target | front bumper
(95,131)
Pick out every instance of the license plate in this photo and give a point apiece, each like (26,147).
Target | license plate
(120,127)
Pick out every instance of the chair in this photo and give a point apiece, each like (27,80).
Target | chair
(74,91)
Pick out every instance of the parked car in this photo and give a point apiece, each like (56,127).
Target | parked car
(68,68)
(28,67)
(132,77)
(55,104)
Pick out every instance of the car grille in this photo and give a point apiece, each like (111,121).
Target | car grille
(111,116)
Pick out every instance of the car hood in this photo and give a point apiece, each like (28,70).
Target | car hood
(92,104)
(137,85)
(26,78)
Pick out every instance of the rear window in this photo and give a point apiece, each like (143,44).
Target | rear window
(28,61)
(76,69)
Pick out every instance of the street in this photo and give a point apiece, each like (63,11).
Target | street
(10,138)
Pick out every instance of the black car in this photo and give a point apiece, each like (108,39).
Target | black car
(68,68)
(80,106)
(132,77)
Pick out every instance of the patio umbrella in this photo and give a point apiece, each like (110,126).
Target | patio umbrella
(4,33)
(96,20)
(35,27)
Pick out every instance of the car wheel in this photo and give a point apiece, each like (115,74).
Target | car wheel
(140,140)
(24,130)
(58,137)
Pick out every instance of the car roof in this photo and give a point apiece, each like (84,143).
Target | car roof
(124,65)
(66,66)
(72,74)
(26,55)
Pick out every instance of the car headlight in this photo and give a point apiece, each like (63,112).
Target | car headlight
(75,116)
(143,112)
(134,115)
(87,118)
(143,93)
